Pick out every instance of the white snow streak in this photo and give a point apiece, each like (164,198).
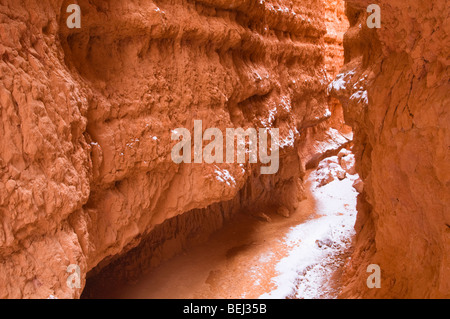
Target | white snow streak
(315,244)
(341,81)
(224,176)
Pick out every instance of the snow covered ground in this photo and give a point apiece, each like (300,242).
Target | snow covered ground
(315,246)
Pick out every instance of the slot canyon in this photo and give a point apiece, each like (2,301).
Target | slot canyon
(87,122)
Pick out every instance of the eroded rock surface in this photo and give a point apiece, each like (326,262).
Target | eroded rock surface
(394,90)
(87,115)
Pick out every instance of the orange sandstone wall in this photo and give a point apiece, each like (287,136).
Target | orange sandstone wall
(86,119)
(395,88)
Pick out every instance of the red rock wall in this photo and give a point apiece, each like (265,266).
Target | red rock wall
(87,116)
(395,91)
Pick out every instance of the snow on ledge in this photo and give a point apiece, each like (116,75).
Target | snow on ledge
(224,176)
(340,82)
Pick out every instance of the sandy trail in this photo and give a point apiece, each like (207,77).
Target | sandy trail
(250,257)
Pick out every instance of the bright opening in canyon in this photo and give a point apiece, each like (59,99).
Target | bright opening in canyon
(208,149)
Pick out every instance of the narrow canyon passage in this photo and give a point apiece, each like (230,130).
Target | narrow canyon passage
(268,256)
(96,199)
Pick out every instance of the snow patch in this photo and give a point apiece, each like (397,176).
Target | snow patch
(289,139)
(224,176)
(340,82)
(267,122)
(360,96)
(315,244)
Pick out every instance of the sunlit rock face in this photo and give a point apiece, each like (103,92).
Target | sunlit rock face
(87,116)
(394,90)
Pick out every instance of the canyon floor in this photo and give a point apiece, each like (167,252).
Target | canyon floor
(263,256)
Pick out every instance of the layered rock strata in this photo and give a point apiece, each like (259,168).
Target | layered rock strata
(87,116)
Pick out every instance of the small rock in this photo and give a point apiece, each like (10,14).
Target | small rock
(340,174)
(358,185)
(329,173)
(263,217)
(325,179)
(10,185)
(324,243)
(348,164)
(283,211)
(343,152)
